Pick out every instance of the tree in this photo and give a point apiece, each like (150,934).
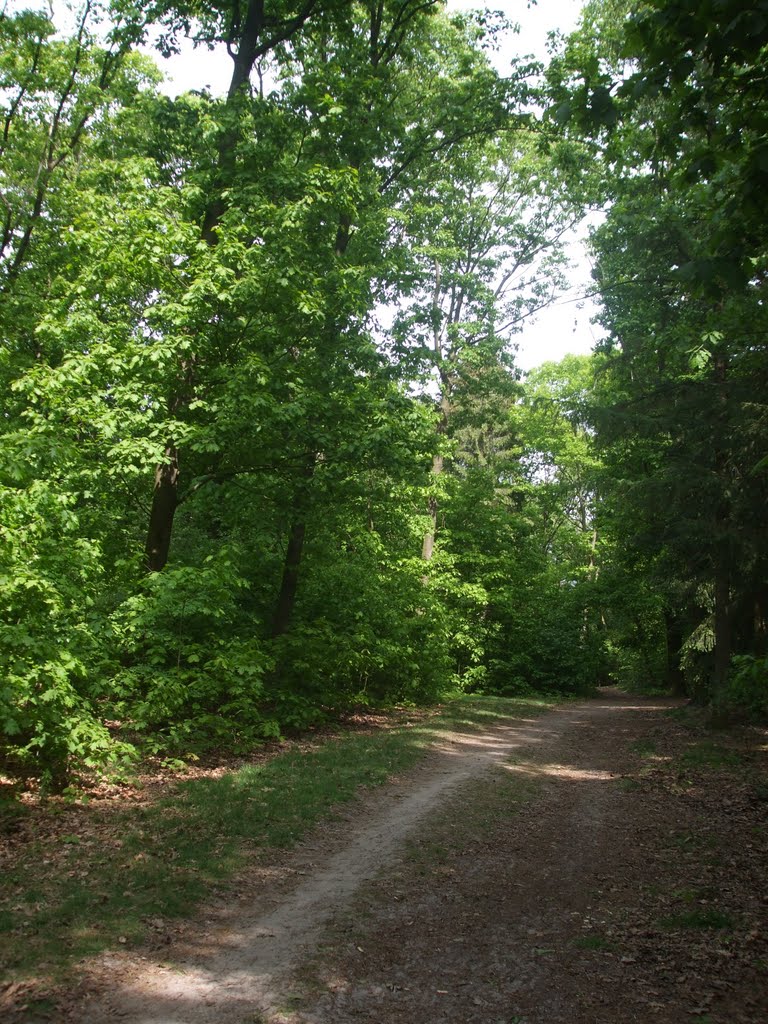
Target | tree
(706,62)
(60,99)
(683,301)
(202,333)
(486,256)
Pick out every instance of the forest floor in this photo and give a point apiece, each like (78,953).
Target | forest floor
(604,863)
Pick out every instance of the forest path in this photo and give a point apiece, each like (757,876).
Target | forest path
(482,887)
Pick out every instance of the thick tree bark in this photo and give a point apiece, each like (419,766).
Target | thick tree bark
(286,598)
(165,500)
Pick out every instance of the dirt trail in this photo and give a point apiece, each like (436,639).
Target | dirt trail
(482,932)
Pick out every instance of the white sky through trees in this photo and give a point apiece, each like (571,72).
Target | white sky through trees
(565,325)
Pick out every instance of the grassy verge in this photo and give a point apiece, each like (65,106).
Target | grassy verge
(68,894)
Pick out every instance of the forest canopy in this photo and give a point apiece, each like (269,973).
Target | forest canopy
(266,454)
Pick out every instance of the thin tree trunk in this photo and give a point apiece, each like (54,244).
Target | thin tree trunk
(592,569)
(722,580)
(428,544)
(286,598)
(289,583)
(760,622)
(722,623)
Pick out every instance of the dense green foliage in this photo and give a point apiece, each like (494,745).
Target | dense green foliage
(679,401)
(219,367)
(265,451)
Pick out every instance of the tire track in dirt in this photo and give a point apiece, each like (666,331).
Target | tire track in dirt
(240,971)
(491,939)
(554,910)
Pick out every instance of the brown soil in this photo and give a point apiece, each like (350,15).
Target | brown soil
(572,869)
(595,902)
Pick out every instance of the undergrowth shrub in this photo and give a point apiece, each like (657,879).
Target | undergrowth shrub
(747,687)
(193,668)
(53,642)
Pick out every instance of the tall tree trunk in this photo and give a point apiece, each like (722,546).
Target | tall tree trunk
(593,570)
(722,574)
(286,598)
(428,544)
(760,622)
(722,622)
(674,643)
(165,500)
(248,43)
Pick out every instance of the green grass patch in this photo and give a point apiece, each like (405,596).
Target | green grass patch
(686,895)
(472,714)
(167,857)
(645,748)
(690,716)
(699,918)
(629,785)
(706,754)
(593,942)
(685,840)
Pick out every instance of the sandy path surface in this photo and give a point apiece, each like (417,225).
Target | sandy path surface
(456,893)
